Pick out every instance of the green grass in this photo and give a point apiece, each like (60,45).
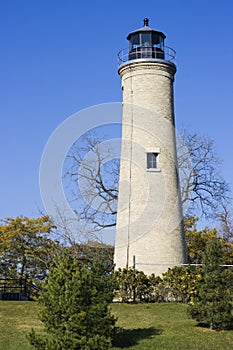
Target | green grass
(142,327)
(166,326)
(16,320)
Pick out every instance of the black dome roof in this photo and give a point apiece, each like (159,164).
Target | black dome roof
(146,29)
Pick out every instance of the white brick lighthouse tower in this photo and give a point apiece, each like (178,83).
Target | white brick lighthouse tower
(149,232)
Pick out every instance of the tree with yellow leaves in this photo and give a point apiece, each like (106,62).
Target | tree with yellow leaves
(198,241)
(26,248)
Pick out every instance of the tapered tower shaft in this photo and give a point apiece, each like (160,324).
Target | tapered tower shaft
(149,229)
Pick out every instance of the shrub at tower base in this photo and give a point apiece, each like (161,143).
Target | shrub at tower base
(212,305)
(75,314)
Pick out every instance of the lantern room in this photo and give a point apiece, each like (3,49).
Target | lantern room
(146,43)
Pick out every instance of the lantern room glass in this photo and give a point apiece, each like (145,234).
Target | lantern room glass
(146,39)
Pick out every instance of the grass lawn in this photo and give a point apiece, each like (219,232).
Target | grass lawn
(144,326)
(16,320)
(166,326)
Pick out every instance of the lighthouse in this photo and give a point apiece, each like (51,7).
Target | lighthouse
(149,230)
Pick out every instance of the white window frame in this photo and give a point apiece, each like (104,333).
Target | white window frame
(155,151)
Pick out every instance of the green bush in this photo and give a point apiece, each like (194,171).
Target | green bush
(133,286)
(179,284)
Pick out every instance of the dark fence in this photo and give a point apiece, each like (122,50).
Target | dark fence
(17,289)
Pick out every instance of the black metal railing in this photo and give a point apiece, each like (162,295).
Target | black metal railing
(147,52)
(17,289)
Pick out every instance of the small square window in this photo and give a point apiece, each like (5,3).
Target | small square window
(152,160)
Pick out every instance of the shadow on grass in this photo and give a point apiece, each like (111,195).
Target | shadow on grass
(125,338)
(220,328)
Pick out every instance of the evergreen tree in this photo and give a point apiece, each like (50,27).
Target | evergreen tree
(212,305)
(76,314)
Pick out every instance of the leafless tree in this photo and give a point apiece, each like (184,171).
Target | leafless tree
(225,216)
(92,175)
(202,187)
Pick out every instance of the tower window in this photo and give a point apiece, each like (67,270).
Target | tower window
(152,160)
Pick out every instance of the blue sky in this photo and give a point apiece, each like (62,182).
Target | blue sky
(58,57)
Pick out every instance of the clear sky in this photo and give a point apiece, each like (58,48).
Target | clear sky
(58,57)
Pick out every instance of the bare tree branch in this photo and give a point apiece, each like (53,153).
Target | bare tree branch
(202,186)
(95,182)
(93,179)
(225,216)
